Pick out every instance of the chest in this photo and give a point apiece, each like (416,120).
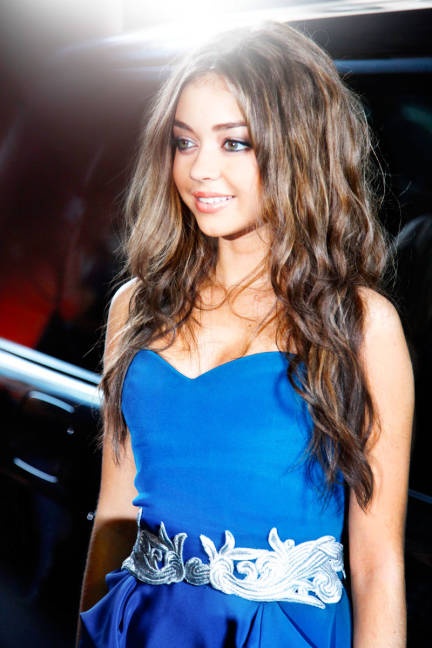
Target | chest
(223,333)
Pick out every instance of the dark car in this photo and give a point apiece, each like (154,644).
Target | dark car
(69,139)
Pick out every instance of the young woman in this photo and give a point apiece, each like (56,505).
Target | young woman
(258,389)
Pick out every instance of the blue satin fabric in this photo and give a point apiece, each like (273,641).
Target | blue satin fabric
(222,451)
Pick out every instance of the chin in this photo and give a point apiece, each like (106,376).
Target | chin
(229,235)
(217,230)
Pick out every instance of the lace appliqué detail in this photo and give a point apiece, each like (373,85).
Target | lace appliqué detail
(303,573)
(151,550)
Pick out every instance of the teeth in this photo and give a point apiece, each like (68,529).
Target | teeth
(214,200)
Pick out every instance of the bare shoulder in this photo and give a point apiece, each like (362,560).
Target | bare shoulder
(384,350)
(379,311)
(118,315)
(382,324)
(119,307)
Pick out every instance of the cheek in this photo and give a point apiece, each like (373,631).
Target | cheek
(247,175)
(255,186)
(180,172)
(175,172)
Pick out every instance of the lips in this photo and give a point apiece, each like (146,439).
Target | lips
(210,202)
(214,201)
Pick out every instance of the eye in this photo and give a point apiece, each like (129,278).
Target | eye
(182,144)
(235,146)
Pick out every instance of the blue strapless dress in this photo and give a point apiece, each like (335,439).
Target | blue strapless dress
(223,451)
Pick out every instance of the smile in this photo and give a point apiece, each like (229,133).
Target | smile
(213,200)
(210,204)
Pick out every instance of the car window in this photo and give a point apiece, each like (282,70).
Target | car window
(399,108)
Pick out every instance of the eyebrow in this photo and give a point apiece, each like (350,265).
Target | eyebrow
(216,127)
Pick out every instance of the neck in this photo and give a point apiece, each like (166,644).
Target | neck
(239,259)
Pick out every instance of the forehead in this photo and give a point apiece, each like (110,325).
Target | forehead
(208,98)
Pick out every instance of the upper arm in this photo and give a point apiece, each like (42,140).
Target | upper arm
(378,532)
(117,317)
(114,527)
(117,479)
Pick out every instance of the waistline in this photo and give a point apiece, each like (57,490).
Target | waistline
(303,573)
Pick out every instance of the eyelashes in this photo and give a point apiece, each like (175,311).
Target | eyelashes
(182,144)
(235,145)
(231,145)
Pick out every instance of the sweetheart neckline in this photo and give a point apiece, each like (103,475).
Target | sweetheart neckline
(220,366)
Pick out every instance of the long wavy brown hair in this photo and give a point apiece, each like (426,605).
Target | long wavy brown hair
(313,148)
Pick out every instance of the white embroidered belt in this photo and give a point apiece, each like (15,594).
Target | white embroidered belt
(302,573)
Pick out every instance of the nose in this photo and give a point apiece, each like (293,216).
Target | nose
(205,165)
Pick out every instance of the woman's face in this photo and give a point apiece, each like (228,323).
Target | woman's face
(215,169)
